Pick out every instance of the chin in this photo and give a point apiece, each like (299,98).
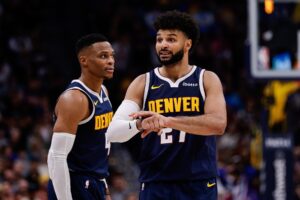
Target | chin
(108,77)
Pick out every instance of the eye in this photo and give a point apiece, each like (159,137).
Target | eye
(159,40)
(103,56)
(113,56)
(172,40)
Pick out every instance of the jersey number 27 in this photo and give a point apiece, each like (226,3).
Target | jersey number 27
(166,136)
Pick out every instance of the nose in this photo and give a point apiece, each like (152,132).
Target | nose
(111,60)
(164,44)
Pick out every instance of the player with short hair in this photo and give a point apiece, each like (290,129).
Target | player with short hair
(78,156)
(183,109)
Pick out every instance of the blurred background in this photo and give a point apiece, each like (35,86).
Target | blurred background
(37,61)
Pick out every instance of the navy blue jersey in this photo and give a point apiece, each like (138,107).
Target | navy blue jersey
(89,154)
(175,155)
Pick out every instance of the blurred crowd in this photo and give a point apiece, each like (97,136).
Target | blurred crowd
(37,61)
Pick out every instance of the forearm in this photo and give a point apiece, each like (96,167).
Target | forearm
(123,127)
(121,130)
(207,124)
(61,145)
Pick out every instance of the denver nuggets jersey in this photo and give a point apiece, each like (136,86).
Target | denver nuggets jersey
(175,155)
(89,154)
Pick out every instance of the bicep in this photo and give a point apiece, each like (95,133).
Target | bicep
(135,91)
(71,108)
(215,101)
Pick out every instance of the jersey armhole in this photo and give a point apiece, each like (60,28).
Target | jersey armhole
(201,84)
(90,103)
(147,82)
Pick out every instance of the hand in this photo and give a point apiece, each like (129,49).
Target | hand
(152,122)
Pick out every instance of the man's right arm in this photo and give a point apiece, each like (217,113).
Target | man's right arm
(70,109)
(123,127)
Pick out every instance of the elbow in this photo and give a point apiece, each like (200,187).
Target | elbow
(121,130)
(220,127)
(111,138)
(117,132)
(114,137)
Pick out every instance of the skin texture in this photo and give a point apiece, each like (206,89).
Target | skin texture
(214,119)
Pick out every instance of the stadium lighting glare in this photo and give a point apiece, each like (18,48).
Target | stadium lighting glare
(269,6)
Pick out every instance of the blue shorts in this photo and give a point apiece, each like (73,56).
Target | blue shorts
(185,190)
(83,188)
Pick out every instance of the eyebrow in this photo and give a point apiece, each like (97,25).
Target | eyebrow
(105,51)
(171,34)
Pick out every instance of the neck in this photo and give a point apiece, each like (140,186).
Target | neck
(176,70)
(92,82)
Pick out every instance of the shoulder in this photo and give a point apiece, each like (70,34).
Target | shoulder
(210,76)
(73,96)
(71,108)
(140,79)
(211,80)
(70,100)
(138,82)
(135,91)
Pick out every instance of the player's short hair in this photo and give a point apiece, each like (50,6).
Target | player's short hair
(175,20)
(88,40)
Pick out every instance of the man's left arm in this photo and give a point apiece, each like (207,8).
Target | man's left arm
(214,120)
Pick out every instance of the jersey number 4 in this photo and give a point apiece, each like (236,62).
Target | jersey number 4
(166,136)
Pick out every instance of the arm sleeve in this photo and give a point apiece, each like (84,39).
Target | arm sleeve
(61,145)
(122,127)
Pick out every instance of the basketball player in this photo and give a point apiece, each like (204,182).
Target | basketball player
(183,110)
(78,156)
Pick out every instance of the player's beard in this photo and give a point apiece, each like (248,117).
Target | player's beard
(174,59)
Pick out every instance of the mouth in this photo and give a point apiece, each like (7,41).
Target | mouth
(165,54)
(109,69)
(164,57)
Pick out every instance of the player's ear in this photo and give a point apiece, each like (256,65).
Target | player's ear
(188,44)
(82,60)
